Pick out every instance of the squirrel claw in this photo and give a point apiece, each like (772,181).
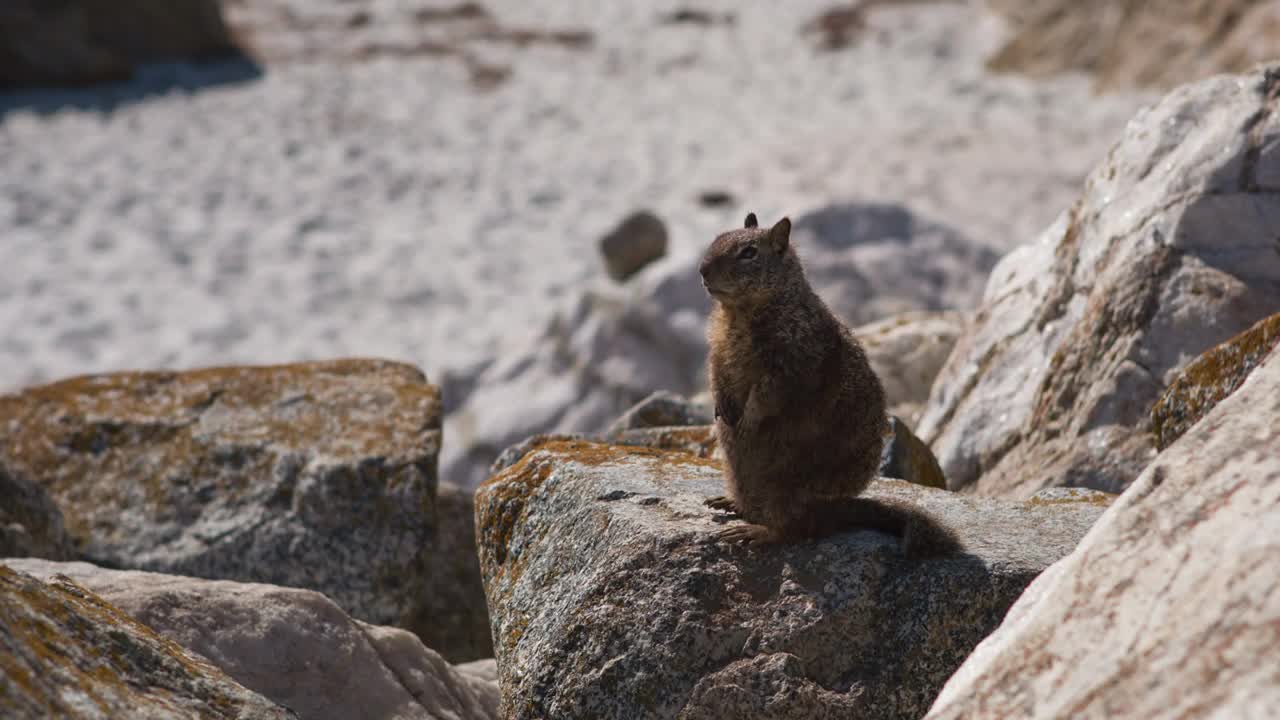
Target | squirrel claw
(721,502)
(749,534)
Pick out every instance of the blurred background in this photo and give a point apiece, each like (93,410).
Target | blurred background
(512,195)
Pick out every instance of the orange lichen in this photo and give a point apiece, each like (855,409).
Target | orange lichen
(1210,378)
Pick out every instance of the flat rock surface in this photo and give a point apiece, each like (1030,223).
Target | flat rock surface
(610,598)
(1170,607)
(317,475)
(293,646)
(67,653)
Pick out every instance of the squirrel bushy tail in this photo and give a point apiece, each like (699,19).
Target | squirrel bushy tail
(922,535)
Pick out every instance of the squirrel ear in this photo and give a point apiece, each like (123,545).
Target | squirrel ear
(780,235)
(751,221)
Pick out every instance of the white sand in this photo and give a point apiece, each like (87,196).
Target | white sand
(388,208)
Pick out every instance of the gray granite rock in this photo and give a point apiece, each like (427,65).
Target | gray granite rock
(67,653)
(293,646)
(30,522)
(1170,250)
(1169,607)
(610,597)
(315,475)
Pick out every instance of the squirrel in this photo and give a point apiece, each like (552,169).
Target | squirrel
(799,413)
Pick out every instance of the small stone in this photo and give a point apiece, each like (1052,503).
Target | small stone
(906,457)
(637,241)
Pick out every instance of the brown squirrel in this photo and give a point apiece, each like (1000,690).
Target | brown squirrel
(799,412)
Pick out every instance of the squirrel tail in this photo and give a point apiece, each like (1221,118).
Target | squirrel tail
(922,535)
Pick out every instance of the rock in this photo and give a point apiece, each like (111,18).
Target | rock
(1133,43)
(316,475)
(872,261)
(80,42)
(638,240)
(1170,250)
(293,646)
(1205,381)
(610,599)
(661,409)
(66,653)
(906,457)
(1168,608)
(30,524)
(907,351)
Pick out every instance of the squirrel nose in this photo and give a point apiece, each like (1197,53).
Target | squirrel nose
(704,268)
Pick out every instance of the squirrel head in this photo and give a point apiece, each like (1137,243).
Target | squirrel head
(748,266)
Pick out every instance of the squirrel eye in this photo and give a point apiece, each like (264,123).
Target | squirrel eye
(747,252)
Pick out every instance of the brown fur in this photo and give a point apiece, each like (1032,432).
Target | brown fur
(800,414)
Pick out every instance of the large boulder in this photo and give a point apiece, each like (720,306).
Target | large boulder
(1137,43)
(1170,250)
(78,42)
(611,347)
(67,653)
(610,597)
(293,646)
(30,522)
(315,475)
(1168,608)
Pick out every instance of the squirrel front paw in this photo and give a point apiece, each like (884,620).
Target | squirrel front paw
(721,502)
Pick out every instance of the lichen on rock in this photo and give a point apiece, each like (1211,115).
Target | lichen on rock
(1205,381)
(317,475)
(65,652)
